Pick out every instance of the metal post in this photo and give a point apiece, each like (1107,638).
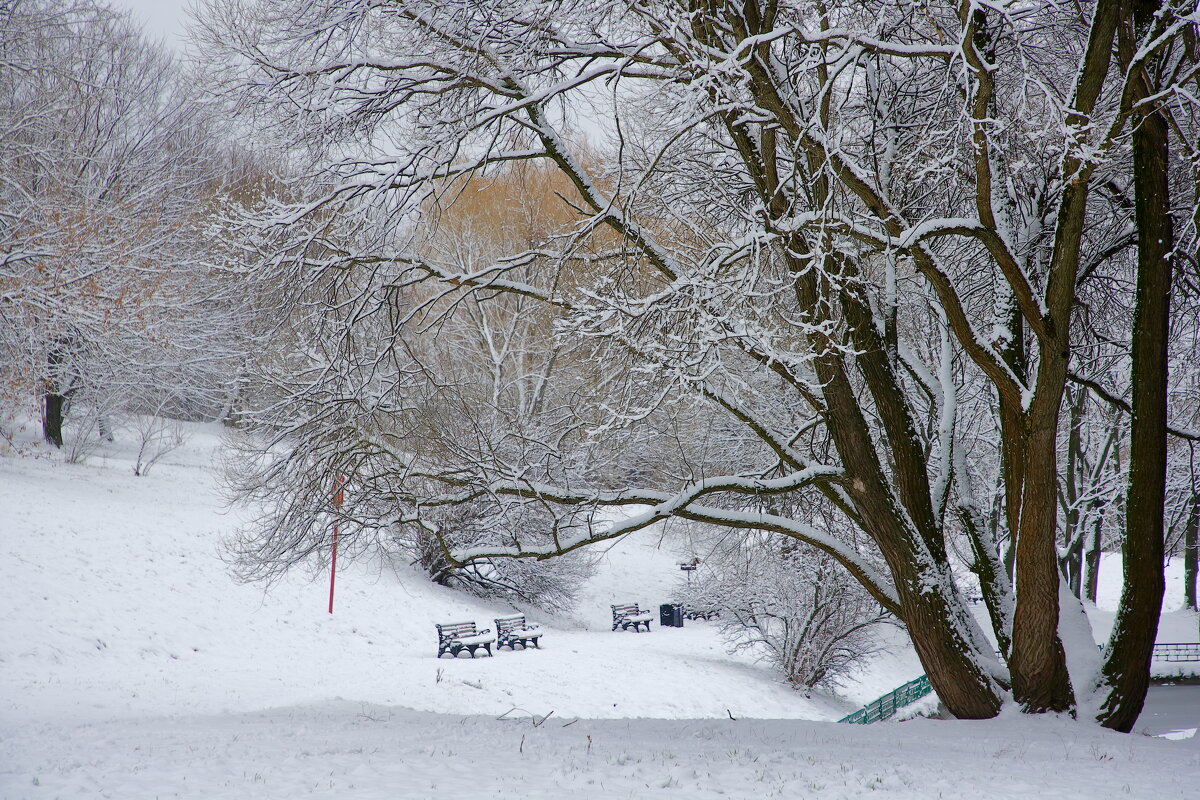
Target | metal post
(338,483)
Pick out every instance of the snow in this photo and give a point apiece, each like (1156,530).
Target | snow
(131,666)
(483,638)
(1083,657)
(523,633)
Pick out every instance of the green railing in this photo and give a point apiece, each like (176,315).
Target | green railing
(887,705)
(1176,651)
(1168,651)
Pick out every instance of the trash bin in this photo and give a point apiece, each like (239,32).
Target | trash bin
(670,615)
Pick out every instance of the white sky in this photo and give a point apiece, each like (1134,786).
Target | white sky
(164,19)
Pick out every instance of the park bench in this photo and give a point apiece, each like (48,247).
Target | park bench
(455,637)
(693,613)
(514,630)
(628,615)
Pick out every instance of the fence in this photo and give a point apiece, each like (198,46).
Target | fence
(1181,651)
(886,706)
(1169,651)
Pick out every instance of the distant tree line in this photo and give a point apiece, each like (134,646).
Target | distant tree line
(114,299)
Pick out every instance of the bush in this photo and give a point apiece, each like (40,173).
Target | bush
(791,604)
(551,584)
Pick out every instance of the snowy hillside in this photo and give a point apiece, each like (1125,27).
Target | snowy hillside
(132,666)
(124,607)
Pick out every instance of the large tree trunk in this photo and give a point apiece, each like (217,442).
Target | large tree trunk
(900,522)
(52,417)
(54,403)
(1072,560)
(1191,552)
(1091,577)
(1039,671)
(1127,664)
(1012,441)
(946,651)
(1038,662)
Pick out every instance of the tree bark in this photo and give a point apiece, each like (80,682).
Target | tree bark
(1126,668)
(54,403)
(52,418)
(1012,441)
(1072,560)
(932,609)
(1091,577)
(1191,553)
(1038,662)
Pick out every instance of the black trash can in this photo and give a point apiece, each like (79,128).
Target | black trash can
(670,615)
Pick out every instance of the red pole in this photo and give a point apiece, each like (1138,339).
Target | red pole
(333,567)
(338,482)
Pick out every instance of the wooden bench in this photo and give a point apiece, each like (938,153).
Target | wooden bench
(628,615)
(514,630)
(694,612)
(455,637)
(705,614)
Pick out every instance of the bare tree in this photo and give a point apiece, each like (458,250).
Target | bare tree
(552,584)
(1090,488)
(108,295)
(789,604)
(855,234)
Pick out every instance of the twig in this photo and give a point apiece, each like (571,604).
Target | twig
(538,724)
(363,714)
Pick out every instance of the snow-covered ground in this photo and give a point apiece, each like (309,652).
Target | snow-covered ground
(131,666)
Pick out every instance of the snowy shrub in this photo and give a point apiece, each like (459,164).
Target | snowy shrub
(791,604)
(89,426)
(156,436)
(551,584)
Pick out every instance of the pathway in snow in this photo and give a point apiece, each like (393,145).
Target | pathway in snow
(1172,711)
